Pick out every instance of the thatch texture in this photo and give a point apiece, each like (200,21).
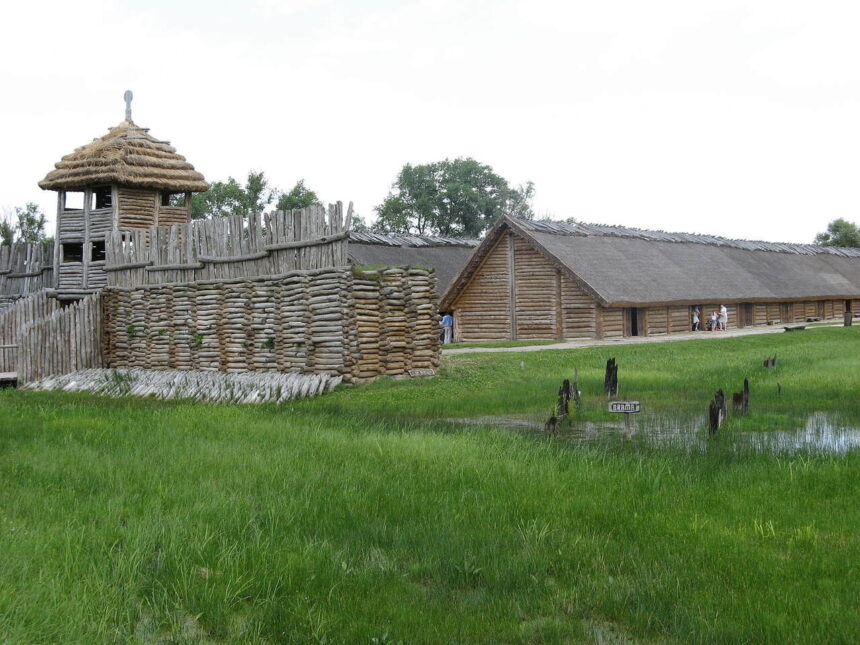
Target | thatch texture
(631,267)
(129,156)
(446,255)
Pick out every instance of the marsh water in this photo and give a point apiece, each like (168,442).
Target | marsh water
(822,433)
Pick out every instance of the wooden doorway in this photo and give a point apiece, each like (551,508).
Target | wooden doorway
(745,314)
(634,321)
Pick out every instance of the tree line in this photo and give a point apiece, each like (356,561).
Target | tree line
(454,197)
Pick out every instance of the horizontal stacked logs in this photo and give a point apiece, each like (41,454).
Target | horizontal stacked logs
(323,321)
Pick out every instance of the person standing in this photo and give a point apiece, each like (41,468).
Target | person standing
(695,319)
(724,317)
(713,322)
(447,328)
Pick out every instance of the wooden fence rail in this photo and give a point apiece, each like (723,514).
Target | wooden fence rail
(22,312)
(66,341)
(230,247)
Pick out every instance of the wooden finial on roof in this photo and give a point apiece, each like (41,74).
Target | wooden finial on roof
(128,96)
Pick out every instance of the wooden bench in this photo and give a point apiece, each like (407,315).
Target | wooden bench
(794,327)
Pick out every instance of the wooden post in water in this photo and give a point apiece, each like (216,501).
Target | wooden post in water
(610,379)
(716,412)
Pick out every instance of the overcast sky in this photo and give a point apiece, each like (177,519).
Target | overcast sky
(734,118)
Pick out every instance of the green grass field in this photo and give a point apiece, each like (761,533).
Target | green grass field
(363,517)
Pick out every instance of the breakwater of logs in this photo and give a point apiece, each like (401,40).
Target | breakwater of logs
(210,387)
(336,320)
(65,341)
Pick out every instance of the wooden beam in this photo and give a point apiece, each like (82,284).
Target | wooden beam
(559,316)
(512,284)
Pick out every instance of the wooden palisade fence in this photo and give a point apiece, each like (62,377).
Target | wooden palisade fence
(66,341)
(230,247)
(22,312)
(24,269)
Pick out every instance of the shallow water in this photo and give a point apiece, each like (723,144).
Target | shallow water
(822,434)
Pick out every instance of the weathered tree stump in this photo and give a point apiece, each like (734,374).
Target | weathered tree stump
(716,412)
(770,362)
(610,380)
(740,400)
(563,406)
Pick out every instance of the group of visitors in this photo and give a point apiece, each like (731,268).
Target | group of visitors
(715,323)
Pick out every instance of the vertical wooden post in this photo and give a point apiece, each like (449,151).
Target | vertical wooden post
(86,253)
(61,206)
(512,278)
(598,320)
(114,200)
(559,317)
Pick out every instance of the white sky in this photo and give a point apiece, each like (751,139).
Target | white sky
(733,118)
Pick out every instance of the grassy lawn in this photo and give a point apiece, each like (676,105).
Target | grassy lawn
(362,517)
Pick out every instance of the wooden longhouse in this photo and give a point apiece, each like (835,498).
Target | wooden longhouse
(534,280)
(126,179)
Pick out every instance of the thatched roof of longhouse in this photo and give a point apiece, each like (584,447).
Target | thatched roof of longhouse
(632,267)
(446,255)
(129,156)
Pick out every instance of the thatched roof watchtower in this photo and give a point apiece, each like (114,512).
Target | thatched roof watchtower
(125,179)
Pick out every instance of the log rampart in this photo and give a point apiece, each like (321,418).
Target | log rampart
(334,320)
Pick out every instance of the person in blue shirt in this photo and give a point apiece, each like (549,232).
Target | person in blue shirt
(447,327)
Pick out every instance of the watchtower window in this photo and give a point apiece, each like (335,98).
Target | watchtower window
(173,199)
(102,197)
(74,200)
(72,252)
(97,251)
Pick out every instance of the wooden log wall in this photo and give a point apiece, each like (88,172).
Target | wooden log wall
(612,322)
(320,321)
(137,208)
(483,309)
(681,319)
(579,310)
(15,317)
(68,340)
(24,269)
(537,304)
(229,247)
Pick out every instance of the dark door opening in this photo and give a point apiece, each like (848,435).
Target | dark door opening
(633,321)
(847,305)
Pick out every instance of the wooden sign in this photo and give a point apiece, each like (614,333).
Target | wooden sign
(624,406)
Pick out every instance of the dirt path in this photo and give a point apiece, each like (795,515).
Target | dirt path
(579,344)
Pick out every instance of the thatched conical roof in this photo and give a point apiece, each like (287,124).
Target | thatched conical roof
(129,156)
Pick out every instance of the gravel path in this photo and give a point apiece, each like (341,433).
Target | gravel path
(636,340)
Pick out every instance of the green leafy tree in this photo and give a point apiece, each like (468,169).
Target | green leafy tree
(29,226)
(840,232)
(520,201)
(454,197)
(299,197)
(359,224)
(7,230)
(230,197)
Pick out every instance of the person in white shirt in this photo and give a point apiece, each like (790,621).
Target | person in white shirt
(724,317)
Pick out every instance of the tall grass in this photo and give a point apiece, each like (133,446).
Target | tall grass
(325,521)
